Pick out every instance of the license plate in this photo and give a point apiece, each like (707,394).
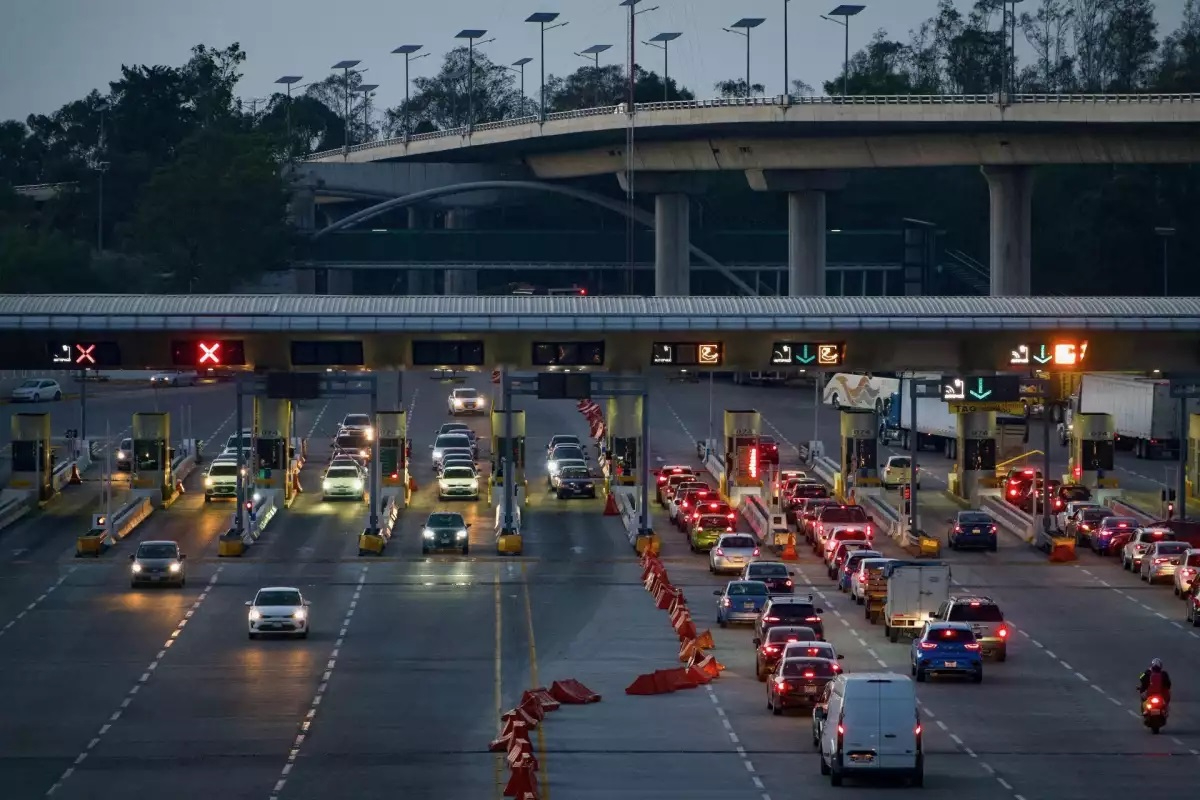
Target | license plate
(976,530)
(810,690)
(862,758)
(736,559)
(951,663)
(749,604)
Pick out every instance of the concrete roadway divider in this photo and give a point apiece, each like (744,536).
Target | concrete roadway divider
(124,521)
(1124,509)
(631,520)
(1010,517)
(14,504)
(508,542)
(769,525)
(372,542)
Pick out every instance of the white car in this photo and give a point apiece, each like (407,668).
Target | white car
(1185,576)
(278,609)
(732,552)
(343,481)
(173,379)
(898,471)
(858,583)
(452,455)
(562,438)
(1143,540)
(35,390)
(458,427)
(359,422)
(466,401)
(552,476)
(220,482)
(447,441)
(458,481)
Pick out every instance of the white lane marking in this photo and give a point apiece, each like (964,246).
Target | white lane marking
(116,715)
(741,751)
(317,420)
(41,598)
(319,695)
(926,711)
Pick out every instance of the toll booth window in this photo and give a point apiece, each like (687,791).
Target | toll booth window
(1095,456)
(979,454)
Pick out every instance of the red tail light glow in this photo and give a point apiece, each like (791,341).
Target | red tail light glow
(1155,701)
(788,582)
(841,729)
(1012,492)
(1003,634)
(770,648)
(755,551)
(972,645)
(770,619)
(781,683)
(809,674)
(1160,560)
(928,645)
(725,602)
(719,551)
(812,619)
(917,730)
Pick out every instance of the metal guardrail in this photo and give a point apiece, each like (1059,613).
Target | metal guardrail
(464,131)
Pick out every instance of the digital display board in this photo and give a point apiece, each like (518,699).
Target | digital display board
(208,353)
(982,388)
(1049,355)
(568,354)
(564,385)
(328,354)
(293,385)
(84,354)
(688,354)
(808,354)
(447,353)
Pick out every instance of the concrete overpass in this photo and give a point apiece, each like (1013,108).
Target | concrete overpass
(892,333)
(801,146)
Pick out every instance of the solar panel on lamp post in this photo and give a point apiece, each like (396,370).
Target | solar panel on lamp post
(845,12)
(365,90)
(742,28)
(407,51)
(346,66)
(519,66)
(288,81)
(541,18)
(663,42)
(594,52)
(471,34)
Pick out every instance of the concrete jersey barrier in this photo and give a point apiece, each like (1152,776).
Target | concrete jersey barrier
(770,526)
(1123,509)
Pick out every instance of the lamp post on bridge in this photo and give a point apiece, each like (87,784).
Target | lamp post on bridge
(407,51)
(288,81)
(365,90)
(845,12)
(518,66)
(742,28)
(471,34)
(540,18)
(346,66)
(665,39)
(593,54)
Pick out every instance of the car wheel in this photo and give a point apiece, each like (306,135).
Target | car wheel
(835,777)
(1002,654)
(424,551)
(722,623)
(37,398)
(758,673)
(777,710)
(917,779)
(466,549)
(133,584)
(894,635)
(920,675)
(824,766)
(58,395)
(253,635)
(183,583)
(304,635)
(207,499)
(1175,590)
(994,548)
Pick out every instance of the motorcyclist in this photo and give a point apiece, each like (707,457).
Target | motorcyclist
(1155,680)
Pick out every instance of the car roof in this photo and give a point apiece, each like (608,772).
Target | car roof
(772,563)
(743,583)
(941,624)
(973,599)
(278,589)
(781,601)
(159,541)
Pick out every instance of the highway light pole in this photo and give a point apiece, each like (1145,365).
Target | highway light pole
(1165,234)
(471,34)
(541,18)
(742,28)
(787,92)
(365,90)
(346,66)
(665,39)
(593,54)
(288,81)
(519,67)
(407,51)
(1010,32)
(845,12)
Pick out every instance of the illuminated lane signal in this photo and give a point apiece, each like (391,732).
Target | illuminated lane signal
(807,354)
(1040,355)
(208,353)
(84,355)
(687,354)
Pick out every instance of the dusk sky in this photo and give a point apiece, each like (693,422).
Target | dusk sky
(55,51)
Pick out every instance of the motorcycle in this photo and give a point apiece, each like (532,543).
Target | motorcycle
(1154,712)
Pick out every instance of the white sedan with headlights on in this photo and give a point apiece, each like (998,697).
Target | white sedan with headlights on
(466,401)
(343,481)
(278,609)
(458,481)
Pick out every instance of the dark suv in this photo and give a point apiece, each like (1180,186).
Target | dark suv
(789,611)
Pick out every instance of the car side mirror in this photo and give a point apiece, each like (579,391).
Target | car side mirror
(131,557)
(716,592)
(182,556)
(757,642)
(308,602)
(249,602)
(791,574)
(841,656)
(820,611)
(468,525)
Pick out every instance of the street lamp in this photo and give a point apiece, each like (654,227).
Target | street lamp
(365,90)
(471,34)
(519,66)
(593,53)
(633,15)
(845,12)
(665,39)
(288,81)
(1008,78)
(346,66)
(787,87)
(407,51)
(541,18)
(1165,234)
(742,28)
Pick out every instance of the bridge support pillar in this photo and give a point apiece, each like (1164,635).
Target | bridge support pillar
(460,281)
(672,225)
(1011,192)
(806,190)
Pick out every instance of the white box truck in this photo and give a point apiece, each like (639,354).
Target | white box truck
(1145,417)
(915,591)
(937,428)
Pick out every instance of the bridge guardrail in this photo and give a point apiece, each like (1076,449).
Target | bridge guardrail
(463,131)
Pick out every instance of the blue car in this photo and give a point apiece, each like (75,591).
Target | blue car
(973,529)
(947,648)
(741,601)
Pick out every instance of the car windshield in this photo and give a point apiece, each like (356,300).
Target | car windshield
(445,521)
(713,521)
(800,667)
(793,610)
(974,519)
(343,472)
(854,559)
(157,551)
(458,472)
(451,427)
(748,588)
(455,460)
(1075,493)
(810,650)
(1095,514)
(223,469)
(1171,549)
(357,421)
(738,542)
(351,440)
(956,635)
(814,490)
(277,597)
(575,472)
(768,571)
(1119,522)
(466,394)
(790,633)
(843,514)
(969,612)
(557,440)
(446,441)
(567,452)
(1157,536)
(899,463)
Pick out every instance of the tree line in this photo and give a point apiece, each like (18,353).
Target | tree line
(180,185)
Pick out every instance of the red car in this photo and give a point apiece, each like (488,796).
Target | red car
(799,683)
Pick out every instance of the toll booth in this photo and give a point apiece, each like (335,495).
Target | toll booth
(272,424)
(860,455)
(151,459)
(391,427)
(32,461)
(508,457)
(975,460)
(743,468)
(623,434)
(1092,448)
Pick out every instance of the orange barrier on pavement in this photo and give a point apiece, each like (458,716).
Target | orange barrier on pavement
(572,692)
(512,731)
(679,677)
(521,752)
(789,550)
(412,483)
(533,708)
(699,676)
(521,715)
(75,480)
(523,782)
(710,666)
(543,696)
(1063,551)
(705,641)
(665,595)
(687,650)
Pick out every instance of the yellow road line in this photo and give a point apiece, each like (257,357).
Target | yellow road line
(544,772)
(500,757)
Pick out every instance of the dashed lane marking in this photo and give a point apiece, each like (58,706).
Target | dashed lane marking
(330,666)
(40,599)
(986,767)
(741,751)
(137,687)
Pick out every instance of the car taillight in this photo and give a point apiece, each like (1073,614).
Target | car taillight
(1154,701)
(841,729)
(928,645)
(812,619)
(993,529)
(1003,633)
(683,504)
(781,683)
(1012,492)
(1160,561)
(770,648)
(917,730)
(730,515)
(972,645)
(755,551)
(770,619)
(788,582)
(957,529)
(729,529)
(719,551)
(809,674)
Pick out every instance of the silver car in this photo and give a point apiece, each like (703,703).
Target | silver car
(1185,573)
(1162,559)
(157,562)
(732,552)
(1142,541)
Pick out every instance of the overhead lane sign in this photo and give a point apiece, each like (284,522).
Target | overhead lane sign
(982,388)
(1049,355)
(808,354)
(688,354)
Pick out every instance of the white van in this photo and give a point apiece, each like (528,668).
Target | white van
(867,723)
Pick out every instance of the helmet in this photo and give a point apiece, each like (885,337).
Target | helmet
(1156,664)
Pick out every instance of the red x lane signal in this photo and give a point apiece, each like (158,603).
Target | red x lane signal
(85,354)
(210,353)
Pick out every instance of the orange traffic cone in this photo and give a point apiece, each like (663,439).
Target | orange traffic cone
(75,480)
(789,550)
(705,641)
(412,483)
(610,506)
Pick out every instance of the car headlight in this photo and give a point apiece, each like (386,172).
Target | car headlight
(208,482)
(255,614)
(461,535)
(552,466)
(136,567)
(427,533)
(174,567)
(370,434)
(474,483)
(120,454)
(299,613)
(437,453)
(326,485)
(458,403)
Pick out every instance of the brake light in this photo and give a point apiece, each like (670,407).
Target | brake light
(974,603)
(917,730)
(683,504)
(812,619)
(755,551)
(1155,700)
(662,479)
(1003,634)
(770,619)
(972,645)
(719,551)
(841,729)
(1122,525)
(1160,561)
(725,602)
(781,683)
(788,582)
(928,645)
(730,515)
(729,529)
(957,529)
(810,674)
(770,648)
(1012,492)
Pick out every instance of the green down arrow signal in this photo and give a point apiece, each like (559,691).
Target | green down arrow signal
(806,358)
(1041,358)
(978,393)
